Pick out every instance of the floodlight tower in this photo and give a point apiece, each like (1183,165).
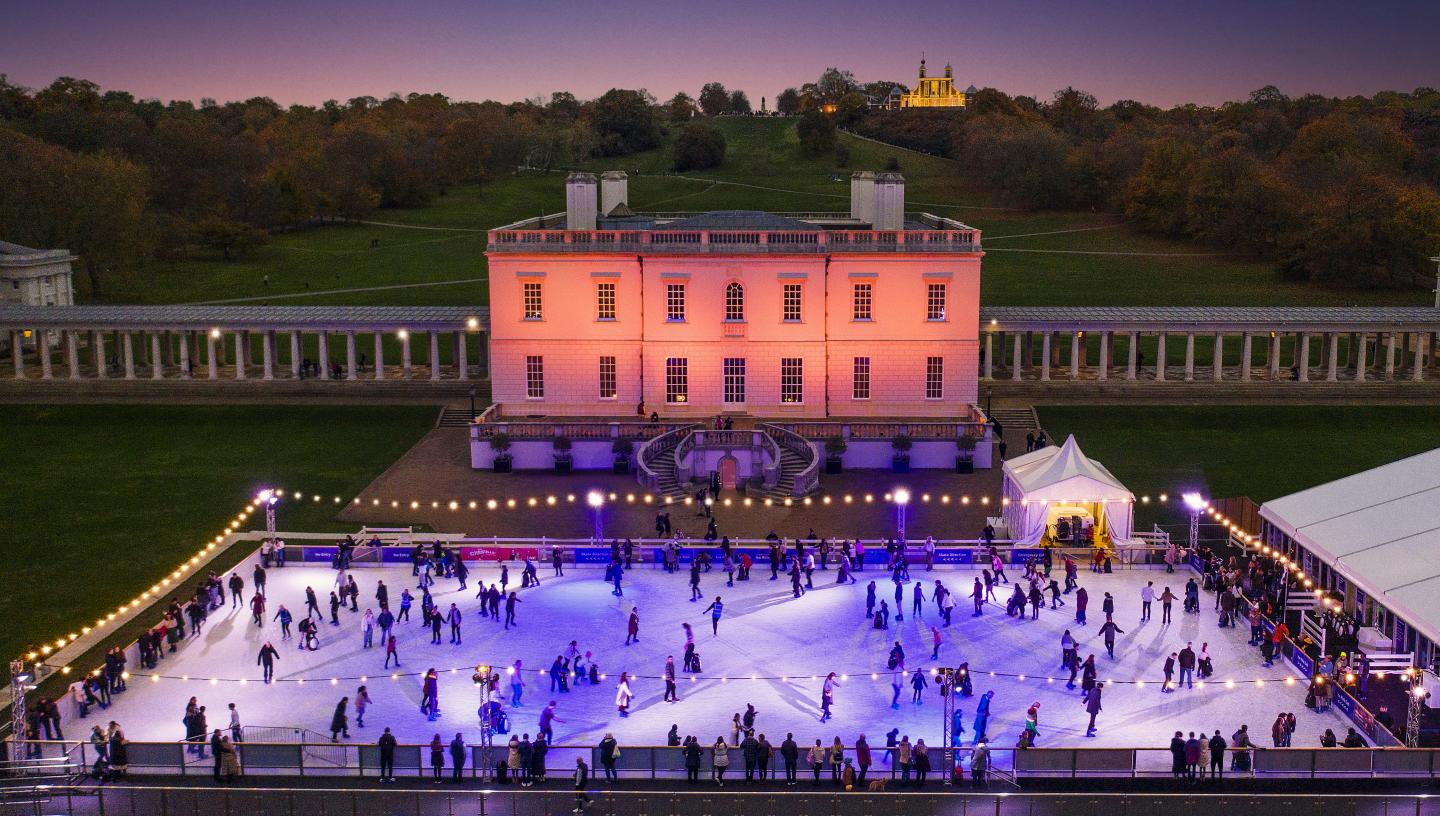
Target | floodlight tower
(596,500)
(268,499)
(21,681)
(947,680)
(1197,505)
(902,501)
(1416,699)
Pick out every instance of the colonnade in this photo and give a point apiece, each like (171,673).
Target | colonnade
(259,353)
(1160,355)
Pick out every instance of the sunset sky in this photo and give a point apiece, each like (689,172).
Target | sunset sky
(307,51)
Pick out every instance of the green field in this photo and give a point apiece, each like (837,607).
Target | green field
(104,500)
(765,170)
(1258,451)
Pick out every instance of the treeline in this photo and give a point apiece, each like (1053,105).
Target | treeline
(1342,191)
(121,181)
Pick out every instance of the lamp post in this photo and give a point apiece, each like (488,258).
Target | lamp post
(902,500)
(596,500)
(1197,505)
(472,403)
(21,681)
(268,500)
(1416,698)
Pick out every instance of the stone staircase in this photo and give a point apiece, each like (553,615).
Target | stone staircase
(1022,418)
(659,470)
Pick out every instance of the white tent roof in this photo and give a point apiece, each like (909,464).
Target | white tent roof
(1380,529)
(1064,473)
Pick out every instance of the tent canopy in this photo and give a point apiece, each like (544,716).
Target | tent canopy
(1064,475)
(1379,529)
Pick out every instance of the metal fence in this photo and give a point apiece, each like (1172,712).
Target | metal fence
(228,801)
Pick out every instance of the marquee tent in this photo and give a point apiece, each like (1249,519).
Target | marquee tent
(1061,482)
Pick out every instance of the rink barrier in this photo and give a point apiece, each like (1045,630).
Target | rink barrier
(557,797)
(659,762)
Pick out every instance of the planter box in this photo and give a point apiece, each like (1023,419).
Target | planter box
(564,465)
(900,464)
(621,466)
(502,464)
(834,466)
(964,465)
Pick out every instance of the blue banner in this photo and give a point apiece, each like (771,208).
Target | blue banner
(325,554)
(954,556)
(1302,662)
(592,555)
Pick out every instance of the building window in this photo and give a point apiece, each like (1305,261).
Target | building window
(675,302)
(735,380)
(790,302)
(607,378)
(677,380)
(535,377)
(531,298)
(935,301)
(792,379)
(605,301)
(864,298)
(734,301)
(934,377)
(862,378)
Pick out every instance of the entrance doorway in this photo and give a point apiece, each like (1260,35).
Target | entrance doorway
(728,464)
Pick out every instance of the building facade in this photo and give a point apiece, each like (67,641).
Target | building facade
(873,312)
(36,277)
(934,92)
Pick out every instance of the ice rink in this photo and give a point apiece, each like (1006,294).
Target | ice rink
(764,633)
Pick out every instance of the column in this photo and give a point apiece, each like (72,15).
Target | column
(1417,372)
(296,355)
(1333,360)
(240,355)
(211,362)
(350,367)
(379,355)
(324,355)
(405,354)
(1104,372)
(1189,356)
(462,356)
(1045,356)
(42,348)
(989,354)
(185,355)
(1303,357)
(1275,357)
(127,344)
(97,349)
(1131,363)
(1160,357)
(434,355)
(1075,339)
(157,366)
(1247,353)
(72,354)
(267,355)
(1218,373)
(1390,355)
(1362,341)
(17,354)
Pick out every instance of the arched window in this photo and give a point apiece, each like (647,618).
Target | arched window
(734,301)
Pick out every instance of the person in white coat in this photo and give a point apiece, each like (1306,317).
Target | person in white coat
(623,695)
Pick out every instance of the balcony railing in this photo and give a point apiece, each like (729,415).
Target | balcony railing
(736,241)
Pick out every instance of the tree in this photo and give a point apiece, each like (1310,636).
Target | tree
(216,232)
(788,102)
(851,109)
(714,99)
(698,146)
(816,132)
(680,108)
(624,122)
(1155,197)
(739,102)
(833,85)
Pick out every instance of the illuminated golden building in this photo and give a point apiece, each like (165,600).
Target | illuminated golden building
(934,92)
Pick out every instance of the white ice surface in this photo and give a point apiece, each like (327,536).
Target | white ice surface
(764,632)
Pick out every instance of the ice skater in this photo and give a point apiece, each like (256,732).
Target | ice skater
(982,716)
(870,601)
(716,609)
(918,682)
(1092,707)
(266,660)
(827,696)
(430,695)
(670,695)
(455,619)
(694,581)
(510,610)
(623,695)
(1108,631)
(632,626)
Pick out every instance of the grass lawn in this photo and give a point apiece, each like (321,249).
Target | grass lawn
(1263,452)
(104,500)
(765,170)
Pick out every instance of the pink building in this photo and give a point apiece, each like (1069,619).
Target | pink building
(870,313)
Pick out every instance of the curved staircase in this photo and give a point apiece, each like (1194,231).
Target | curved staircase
(789,464)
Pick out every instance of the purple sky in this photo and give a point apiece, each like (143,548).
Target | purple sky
(307,51)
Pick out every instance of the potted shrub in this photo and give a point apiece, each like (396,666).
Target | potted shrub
(623,448)
(901,460)
(500,443)
(835,448)
(965,462)
(564,461)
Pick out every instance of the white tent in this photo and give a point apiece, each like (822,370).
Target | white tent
(1056,482)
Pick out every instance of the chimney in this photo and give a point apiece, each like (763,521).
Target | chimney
(889,203)
(580,201)
(862,196)
(614,190)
